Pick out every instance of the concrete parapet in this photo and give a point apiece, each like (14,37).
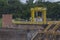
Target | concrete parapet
(6,20)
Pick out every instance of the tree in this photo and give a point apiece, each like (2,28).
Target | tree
(21,10)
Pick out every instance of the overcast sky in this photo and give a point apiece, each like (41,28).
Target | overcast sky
(54,0)
(46,0)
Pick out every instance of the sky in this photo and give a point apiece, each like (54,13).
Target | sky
(24,1)
(54,0)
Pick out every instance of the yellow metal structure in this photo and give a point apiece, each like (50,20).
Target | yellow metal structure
(32,18)
(36,9)
(49,31)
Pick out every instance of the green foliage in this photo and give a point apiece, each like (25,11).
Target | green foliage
(21,10)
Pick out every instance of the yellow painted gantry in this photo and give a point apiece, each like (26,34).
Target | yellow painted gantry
(33,10)
(41,9)
(32,18)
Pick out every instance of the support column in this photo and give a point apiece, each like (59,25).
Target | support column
(32,15)
(44,16)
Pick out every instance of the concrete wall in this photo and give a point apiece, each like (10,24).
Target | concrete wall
(6,20)
(12,35)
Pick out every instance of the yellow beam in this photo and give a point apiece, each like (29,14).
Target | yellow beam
(44,16)
(32,15)
(46,29)
(24,22)
(56,26)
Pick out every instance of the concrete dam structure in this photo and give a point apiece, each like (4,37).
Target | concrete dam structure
(38,28)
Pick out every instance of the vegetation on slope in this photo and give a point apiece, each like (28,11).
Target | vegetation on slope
(20,10)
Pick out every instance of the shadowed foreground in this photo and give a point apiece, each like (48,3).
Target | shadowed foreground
(12,34)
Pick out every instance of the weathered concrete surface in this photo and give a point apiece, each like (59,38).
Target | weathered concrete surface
(11,34)
(27,26)
(6,20)
(46,37)
(25,32)
(19,32)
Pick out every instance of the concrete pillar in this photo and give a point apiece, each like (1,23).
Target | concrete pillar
(6,20)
